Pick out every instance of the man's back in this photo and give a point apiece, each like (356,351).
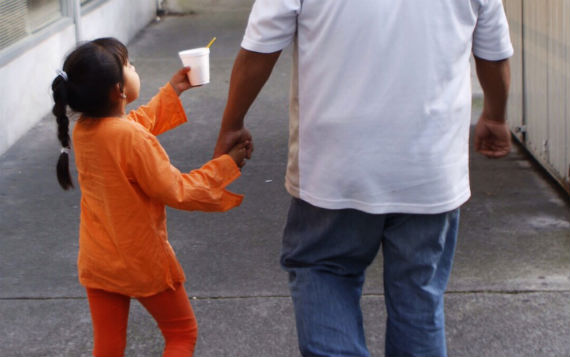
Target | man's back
(381,92)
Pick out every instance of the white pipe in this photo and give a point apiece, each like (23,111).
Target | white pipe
(76,6)
(159,7)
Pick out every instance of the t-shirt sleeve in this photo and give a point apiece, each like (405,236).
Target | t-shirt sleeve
(491,39)
(271,26)
(203,189)
(162,113)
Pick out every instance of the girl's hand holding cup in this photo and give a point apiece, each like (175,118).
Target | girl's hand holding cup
(179,80)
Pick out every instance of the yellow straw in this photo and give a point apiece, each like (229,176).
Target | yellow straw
(210,44)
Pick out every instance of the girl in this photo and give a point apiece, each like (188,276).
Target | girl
(126,180)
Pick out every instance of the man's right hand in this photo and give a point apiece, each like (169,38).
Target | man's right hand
(228,139)
(250,72)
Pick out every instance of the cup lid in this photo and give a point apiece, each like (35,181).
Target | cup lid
(195,51)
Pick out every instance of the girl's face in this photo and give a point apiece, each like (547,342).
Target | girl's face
(132,82)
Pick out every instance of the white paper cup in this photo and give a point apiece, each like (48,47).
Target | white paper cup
(199,61)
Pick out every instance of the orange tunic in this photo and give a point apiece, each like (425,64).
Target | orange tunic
(126,180)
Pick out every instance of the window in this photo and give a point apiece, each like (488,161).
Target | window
(42,13)
(12,21)
(20,18)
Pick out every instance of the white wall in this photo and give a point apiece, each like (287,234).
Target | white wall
(122,19)
(185,6)
(25,92)
(540,90)
(25,81)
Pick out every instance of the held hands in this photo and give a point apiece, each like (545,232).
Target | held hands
(179,80)
(238,141)
(492,138)
(238,153)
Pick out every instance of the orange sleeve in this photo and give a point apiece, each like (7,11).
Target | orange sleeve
(203,189)
(162,113)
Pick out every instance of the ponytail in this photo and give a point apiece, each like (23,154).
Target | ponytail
(89,73)
(60,111)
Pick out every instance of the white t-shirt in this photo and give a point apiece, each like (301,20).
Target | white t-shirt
(380,96)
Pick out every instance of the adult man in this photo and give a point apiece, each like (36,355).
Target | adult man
(378,152)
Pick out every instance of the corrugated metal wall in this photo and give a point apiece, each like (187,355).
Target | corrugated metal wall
(538,109)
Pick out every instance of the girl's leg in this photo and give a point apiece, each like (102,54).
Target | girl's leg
(172,311)
(110,314)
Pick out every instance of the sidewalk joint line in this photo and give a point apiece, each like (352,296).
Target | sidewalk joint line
(43,298)
(506,292)
(243,297)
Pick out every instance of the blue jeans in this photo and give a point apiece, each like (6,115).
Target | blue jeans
(326,253)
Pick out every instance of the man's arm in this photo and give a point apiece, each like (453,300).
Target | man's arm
(492,134)
(250,72)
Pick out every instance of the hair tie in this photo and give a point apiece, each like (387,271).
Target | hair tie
(62,74)
(65,150)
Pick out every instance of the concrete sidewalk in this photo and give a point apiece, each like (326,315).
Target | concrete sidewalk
(510,289)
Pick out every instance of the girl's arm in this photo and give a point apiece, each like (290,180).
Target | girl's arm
(203,189)
(164,111)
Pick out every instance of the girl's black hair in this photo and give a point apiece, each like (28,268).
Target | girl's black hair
(90,72)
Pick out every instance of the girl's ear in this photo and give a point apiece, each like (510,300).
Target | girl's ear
(117,93)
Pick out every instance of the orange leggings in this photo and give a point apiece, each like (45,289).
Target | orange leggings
(171,309)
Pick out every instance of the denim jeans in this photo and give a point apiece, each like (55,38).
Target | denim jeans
(326,253)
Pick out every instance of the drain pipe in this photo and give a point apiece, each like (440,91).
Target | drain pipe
(76,6)
(159,8)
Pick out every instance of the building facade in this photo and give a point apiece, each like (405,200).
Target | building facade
(538,109)
(36,35)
